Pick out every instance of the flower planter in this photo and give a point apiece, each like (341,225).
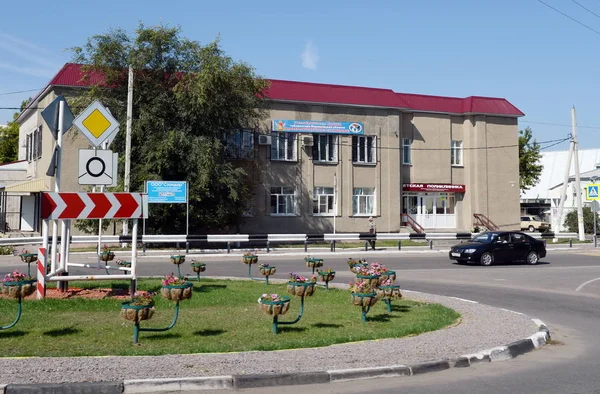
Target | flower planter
(249,259)
(20,289)
(177,259)
(314,263)
(327,276)
(371,280)
(177,293)
(391,292)
(198,267)
(28,257)
(268,271)
(364,299)
(126,264)
(136,313)
(107,256)
(301,289)
(354,268)
(275,308)
(391,275)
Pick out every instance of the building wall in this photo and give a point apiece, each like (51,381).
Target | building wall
(384,176)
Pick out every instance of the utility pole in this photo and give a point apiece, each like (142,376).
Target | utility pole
(563,195)
(334,199)
(128,141)
(577,178)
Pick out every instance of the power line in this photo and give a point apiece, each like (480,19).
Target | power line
(571,18)
(20,91)
(562,125)
(587,9)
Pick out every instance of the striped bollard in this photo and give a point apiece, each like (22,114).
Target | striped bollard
(41,274)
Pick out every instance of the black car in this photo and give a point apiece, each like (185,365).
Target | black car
(495,246)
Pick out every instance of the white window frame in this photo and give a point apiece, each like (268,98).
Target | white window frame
(324,196)
(362,196)
(280,146)
(456,153)
(360,155)
(406,151)
(330,140)
(279,192)
(29,147)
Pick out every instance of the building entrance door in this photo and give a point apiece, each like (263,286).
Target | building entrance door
(435,210)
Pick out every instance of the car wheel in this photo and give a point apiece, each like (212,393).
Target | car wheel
(532,258)
(486,259)
(531,229)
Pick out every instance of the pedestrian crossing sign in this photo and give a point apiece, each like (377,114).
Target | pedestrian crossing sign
(592,192)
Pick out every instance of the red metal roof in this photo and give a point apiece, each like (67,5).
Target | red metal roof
(73,75)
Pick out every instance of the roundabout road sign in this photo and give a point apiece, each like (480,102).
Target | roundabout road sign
(95,167)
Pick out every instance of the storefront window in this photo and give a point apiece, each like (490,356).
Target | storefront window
(450,202)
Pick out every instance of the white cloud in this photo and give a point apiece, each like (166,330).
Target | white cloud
(32,54)
(33,71)
(310,56)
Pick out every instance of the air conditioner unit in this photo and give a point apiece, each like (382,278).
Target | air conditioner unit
(307,140)
(264,139)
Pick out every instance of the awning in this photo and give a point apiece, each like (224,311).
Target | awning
(433,187)
(32,186)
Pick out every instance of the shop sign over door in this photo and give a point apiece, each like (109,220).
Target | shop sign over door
(433,187)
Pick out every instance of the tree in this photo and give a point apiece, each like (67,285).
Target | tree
(588,221)
(529,156)
(187,99)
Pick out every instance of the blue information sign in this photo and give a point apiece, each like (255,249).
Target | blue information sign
(312,126)
(167,192)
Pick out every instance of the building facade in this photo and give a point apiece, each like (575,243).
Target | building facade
(330,156)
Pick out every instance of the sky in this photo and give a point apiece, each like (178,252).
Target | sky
(542,60)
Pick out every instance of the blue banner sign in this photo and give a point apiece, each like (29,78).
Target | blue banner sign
(167,192)
(313,126)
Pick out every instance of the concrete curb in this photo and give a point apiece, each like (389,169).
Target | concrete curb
(232,382)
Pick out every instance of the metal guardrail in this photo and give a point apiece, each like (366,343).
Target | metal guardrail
(268,239)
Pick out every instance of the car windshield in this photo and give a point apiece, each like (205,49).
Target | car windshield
(537,218)
(485,238)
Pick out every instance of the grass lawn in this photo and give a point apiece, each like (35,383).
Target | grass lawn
(222,316)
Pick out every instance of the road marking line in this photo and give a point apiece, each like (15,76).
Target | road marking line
(462,299)
(586,283)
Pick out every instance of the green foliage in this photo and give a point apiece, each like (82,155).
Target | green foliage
(6,250)
(529,156)
(9,143)
(187,97)
(588,221)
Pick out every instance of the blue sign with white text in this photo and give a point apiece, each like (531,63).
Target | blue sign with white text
(167,192)
(313,126)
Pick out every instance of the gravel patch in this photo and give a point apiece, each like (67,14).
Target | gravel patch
(481,327)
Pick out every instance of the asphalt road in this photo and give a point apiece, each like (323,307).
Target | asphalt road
(560,291)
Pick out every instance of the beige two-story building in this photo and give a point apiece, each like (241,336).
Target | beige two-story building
(331,156)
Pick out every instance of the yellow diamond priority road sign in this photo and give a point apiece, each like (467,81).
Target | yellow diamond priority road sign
(96,123)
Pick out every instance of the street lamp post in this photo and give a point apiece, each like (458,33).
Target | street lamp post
(593,179)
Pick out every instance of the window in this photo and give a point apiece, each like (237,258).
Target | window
(283,201)
(406,150)
(363,149)
(37,143)
(456,153)
(29,147)
(363,201)
(283,146)
(323,201)
(240,144)
(325,148)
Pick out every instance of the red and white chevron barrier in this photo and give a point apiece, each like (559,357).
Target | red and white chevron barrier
(93,206)
(41,273)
